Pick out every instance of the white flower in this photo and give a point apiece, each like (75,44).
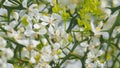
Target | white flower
(91,54)
(42,30)
(100,64)
(24,3)
(116,3)
(46,57)
(2,42)
(74,64)
(100,52)
(9,65)
(46,54)
(23,42)
(44,41)
(27,42)
(32,7)
(51,30)
(110,63)
(46,49)
(29,31)
(104,3)
(43,65)
(55,57)
(71,6)
(91,65)
(32,60)
(36,26)
(99,31)
(8,53)
(94,42)
(56,46)
(34,43)
(116,31)
(111,20)
(105,35)
(3,11)
(48,66)
(84,44)
(25,53)
(108,25)
(88,60)
(80,50)
(11,26)
(48,20)
(16,15)
(7,3)
(3,63)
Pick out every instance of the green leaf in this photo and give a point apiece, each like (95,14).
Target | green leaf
(24,21)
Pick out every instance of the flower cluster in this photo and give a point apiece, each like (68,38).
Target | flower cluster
(59,34)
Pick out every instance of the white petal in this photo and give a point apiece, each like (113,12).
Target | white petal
(9,65)
(75,64)
(51,30)
(3,11)
(29,32)
(36,26)
(45,18)
(116,3)
(42,31)
(105,35)
(100,25)
(9,53)
(16,15)
(44,23)
(32,60)
(46,57)
(7,3)
(92,25)
(24,3)
(23,42)
(35,43)
(48,66)
(110,21)
(44,41)
(32,7)
(24,52)
(56,46)
(46,49)
(2,42)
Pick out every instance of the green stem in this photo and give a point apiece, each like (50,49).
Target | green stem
(74,46)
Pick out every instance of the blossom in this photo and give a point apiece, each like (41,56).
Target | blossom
(98,30)
(33,33)
(32,60)
(24,3)
(74,64)
(3,42)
